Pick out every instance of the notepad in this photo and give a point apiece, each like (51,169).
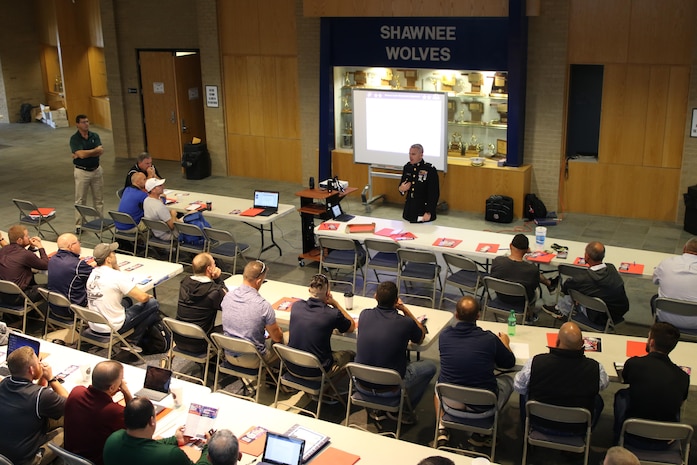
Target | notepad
(253,440)
(636,348)
(540,257)
(334,456)
(487,248)
(360,228)
(446,242)
(631,268)
(285,303)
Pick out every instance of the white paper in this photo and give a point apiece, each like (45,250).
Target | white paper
(521,350)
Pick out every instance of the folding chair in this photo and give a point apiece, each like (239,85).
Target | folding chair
(193,231)
(55,320)
(223,246)
(569,271)
(417,266)
(313,385)
(672,310)
(154,241)
(341,254)
(382,258)
(462,273)
(571,415)
(25,208)
(94,222)
(239,347)
(182,329)
(68,457)
(85,315)
(362,374)
(10,288)
(125,218)
(592,304)
(4,460)
(502,310)
(679,433)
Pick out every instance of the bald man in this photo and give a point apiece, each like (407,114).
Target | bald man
(67,274)
(564,377)
(620,456)
(132,201)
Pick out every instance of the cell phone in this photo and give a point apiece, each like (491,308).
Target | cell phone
(422,319)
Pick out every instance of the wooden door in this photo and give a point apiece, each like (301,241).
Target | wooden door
(187,70)
(161,117)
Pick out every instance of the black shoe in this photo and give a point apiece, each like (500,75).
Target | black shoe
(553,283)
(479,440)
(443,437)
(552,310)
(376,415)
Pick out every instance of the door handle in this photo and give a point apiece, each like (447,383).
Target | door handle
(184,128)
(172,118)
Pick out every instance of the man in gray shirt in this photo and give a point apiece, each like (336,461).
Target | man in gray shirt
(154,209)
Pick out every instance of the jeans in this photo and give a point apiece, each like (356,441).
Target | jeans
(457,409)
(140,316)
(416,380)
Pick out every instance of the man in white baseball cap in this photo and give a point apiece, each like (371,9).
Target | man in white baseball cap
(154,209)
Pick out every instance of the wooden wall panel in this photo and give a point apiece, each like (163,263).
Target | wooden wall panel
(238,27)
(676,112)
(599,31)
(277,34)
(612,110)
(268,99)
(656,115)
(662,32)
(279,159)
(287,95)
(236,98)
(97,64)
(245,155)
(389,8)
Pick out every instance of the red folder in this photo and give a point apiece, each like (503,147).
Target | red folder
(252,212)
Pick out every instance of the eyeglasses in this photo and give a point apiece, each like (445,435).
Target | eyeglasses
(320,278)
(263,269)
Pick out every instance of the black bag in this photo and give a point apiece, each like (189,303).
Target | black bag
(534,207)
(499,209)
(25,113)
(157,340)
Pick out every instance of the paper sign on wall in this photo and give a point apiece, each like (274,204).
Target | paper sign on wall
(158,87)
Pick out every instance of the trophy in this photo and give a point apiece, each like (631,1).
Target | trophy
(456,142)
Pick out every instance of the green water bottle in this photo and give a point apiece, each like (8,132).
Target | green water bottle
(511,323)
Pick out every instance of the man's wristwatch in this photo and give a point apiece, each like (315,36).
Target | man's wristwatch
(52,380)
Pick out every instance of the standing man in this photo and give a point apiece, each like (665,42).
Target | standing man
(17,261)
(91,415)
(154,209)
(312,323)
(143,165)
(68,273)
(420,184)
(87,148)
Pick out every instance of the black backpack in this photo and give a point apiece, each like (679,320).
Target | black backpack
(25,113)
(499,209)
(534,207)
(157,340)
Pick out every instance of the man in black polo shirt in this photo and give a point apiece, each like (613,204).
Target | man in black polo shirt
(86,147)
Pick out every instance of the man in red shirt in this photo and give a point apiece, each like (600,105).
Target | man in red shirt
(90,413)
(17,261)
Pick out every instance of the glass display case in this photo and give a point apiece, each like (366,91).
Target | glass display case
(477,103)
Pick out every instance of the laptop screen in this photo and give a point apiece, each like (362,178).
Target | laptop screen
(265,199)
(336,210)
(16,340)
(283,450)
(157,378)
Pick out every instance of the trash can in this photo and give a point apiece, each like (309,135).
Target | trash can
(196,161)
(691,210)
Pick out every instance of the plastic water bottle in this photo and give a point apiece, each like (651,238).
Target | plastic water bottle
(511,323)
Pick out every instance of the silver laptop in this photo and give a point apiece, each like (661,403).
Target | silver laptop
(16,340)
(268,200)
(156,386)
(282,450)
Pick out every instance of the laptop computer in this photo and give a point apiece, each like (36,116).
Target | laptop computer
(16,340)
(156,386)
(337,213)
(268,200)
(282,450)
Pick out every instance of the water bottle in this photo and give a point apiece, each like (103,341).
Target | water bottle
(511,323)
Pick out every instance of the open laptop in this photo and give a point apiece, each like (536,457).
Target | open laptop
(156,386)
(337,213)
(268,200)
(16,340)
(282,450)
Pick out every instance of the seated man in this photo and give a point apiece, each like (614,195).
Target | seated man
(246,315)
(16,263)
(200,298)
(29,409)
(657,386)
(223,448)
(382,342)
(468,357)
(601,280)
(144,166)
(312,323)
(154,209)
(67,274)
(132,201)
(676,278)
(135,445)
(515,269)
(563,377)
(620,456)
(107,288)
(90,413)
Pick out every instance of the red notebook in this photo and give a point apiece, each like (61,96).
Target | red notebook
(252,212)
(489,248)
(540,257)
(631,268)
(326,226)
(45,212)
(445,242)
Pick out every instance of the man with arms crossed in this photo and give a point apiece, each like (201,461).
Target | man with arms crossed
(86,147)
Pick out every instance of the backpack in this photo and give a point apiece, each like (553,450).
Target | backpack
(157,339)
(534,207)
(25,113)
(499,209)
(195,218)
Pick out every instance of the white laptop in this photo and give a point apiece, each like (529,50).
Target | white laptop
(282,450)
(156,386)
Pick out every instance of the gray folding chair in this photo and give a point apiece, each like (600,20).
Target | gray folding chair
(362,374)
(36,221)
(182,329)
(340,254)
(252,378)
(223,246)
(381,257)
(68,457)
(194,232)
(591,304)
(569,271)
(498,308)
(680,435)
(571,415)
(462,273)
(4,460)
(132,237)
(672,310)
(418,266)
(94,222)
(23,309)
(54,319)
(153,241)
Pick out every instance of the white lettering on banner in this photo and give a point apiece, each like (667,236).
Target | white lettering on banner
(418,53)
(418,32)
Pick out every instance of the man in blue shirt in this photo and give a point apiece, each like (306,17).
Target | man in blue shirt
(132,202)
(67,274)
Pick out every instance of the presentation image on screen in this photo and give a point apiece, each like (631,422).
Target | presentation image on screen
(266,199)
(387,122)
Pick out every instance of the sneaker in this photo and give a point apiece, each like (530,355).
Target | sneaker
(532,318)
(443,437)
(134,349)
(479,440)
(406,419)
(553,283)
(553,311)
(376,415)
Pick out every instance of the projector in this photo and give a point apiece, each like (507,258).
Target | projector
(325,183)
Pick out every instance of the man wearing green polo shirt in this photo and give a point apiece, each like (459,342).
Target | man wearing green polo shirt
(86,147)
